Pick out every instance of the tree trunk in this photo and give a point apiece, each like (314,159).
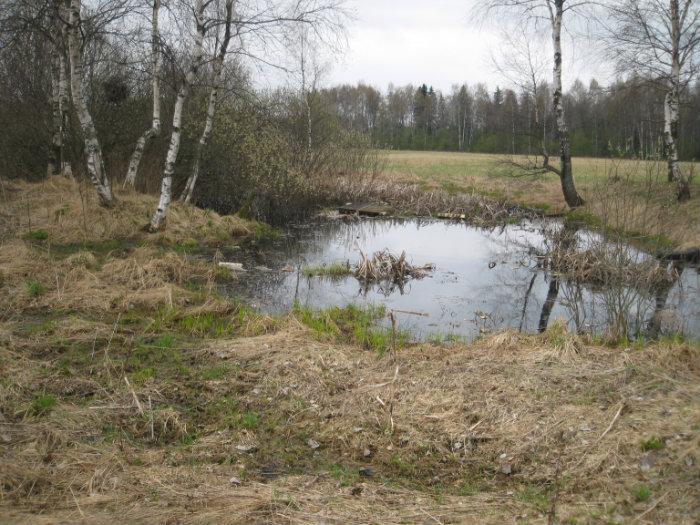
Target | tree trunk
(93,150)
(211,108)
(672,112)
(573,199)
(54,166)
(186,196)
(154,130)
(166,188)
(63,103)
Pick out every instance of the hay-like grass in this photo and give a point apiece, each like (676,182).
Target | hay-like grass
(69,213)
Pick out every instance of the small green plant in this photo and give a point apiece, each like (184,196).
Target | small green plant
(215,373)
(534,495)
(343,474)
(250,420)
(653,443)
(42,404)
(358,323)
(330,271)
(35,288)
(186,246)
(37,235)
(143,375)
(206,324)
(642,493)
(265,233)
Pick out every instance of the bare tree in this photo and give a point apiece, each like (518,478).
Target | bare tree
(660,39)
(553,12)
(522,64)
(218,72)
(93,149)
(166,188)
(58,163)
(154,130)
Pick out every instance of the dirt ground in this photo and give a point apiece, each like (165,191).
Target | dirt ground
(131,392)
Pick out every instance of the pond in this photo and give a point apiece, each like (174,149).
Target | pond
(484,280)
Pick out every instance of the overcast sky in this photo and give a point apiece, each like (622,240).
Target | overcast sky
(432,41)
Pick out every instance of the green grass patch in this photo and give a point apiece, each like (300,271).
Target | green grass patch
(534,495)
(642,493)
(358,324)
(331,271)
(157,359)
(653,443)
(37,235)
(215,373)
(42,404)
(35,288)
(343,474)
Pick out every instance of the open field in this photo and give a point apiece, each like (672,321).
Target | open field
(626,195)
(132,392)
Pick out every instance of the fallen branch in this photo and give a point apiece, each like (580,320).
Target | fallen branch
(612,423)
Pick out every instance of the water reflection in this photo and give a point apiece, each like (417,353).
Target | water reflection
(485,279)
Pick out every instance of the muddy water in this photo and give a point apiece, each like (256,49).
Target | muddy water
(485,280)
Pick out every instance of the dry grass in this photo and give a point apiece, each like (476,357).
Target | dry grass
(70,213)
(473,434)
(131,393)
(627,195)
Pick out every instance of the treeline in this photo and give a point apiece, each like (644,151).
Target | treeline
(625,118)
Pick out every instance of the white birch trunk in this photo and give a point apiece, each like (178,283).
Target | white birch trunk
(54,166)
(158,219)
(154,130)
(63,105)
(573,199)
(671,102)
(188,192)
(186,196)
(93,150)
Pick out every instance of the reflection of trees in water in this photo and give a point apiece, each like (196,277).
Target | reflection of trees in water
(613,307)
(655,323)
(548,304)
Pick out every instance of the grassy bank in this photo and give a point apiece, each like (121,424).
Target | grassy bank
(131,392)
(625,195)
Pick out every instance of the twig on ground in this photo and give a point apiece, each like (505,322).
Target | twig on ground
(133,393)
(612,423)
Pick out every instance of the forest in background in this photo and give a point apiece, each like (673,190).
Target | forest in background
(623,119)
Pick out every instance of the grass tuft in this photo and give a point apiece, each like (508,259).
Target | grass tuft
(331,271)
(42,404)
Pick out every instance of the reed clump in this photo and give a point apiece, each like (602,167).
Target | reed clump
(384,266)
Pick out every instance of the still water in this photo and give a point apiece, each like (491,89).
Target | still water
(484,280)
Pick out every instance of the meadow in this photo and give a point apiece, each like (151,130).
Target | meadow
(622,195)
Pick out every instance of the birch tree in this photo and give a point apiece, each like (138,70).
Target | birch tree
(166,187)
(155,128)
(552,12)
(218,72)
(93,150)
(58,163)
(660,39)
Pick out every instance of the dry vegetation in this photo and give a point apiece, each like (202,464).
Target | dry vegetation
(622,195)
(130,392)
